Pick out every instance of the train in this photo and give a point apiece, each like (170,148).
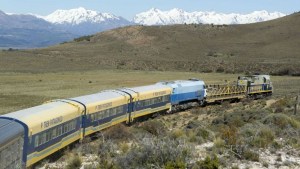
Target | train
(30,135)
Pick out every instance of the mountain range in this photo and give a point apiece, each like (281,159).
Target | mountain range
(29,31)
(178,16)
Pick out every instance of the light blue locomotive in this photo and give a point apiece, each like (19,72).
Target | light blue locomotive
(186,93)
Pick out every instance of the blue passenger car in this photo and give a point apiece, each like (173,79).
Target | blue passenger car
(186,91)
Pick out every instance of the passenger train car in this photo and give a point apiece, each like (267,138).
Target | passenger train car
(28,136)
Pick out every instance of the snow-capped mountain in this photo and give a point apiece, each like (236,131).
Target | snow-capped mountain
(83,22)
(27,31)
(78,16)
(178,16)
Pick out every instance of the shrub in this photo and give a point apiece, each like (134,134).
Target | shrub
(279,105)
(282,72)
(74,162)
(175,134)
(281,120)
(194,123)
(118,132)
(178,164)
(83,38)
(124,147)
(263,138)
(202,133)
(220,70)
(154,127)
(229,134)
(250,155)
(192,136)
(158,151)
(107,149)
(208,163)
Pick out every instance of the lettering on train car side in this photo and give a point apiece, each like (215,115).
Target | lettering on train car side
(159,93)
(51,122)
(103,106)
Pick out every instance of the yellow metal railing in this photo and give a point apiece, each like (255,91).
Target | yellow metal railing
(214,91)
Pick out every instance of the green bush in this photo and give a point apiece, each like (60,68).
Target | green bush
(154,127)
(177,133)
(178,164)
(208,163)
(219,143)
(250,155)
(118,132)
(281,120)
(83,38)
(159,151)
(229,134)
(264,137)
(202,133)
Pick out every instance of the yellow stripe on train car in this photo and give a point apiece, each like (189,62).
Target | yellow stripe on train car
(150,111)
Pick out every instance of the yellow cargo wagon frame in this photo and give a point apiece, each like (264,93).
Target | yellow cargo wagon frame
(225,92)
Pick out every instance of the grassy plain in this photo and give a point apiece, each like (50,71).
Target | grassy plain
(23,90)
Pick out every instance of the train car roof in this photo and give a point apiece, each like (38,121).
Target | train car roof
(180,83)
(101,96)
(9,130)
(149,88)
(33,117)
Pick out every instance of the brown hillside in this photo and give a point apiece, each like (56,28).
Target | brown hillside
(267,47)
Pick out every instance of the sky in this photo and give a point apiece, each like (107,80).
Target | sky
(128,8)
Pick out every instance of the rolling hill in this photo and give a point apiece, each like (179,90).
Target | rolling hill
(266,47)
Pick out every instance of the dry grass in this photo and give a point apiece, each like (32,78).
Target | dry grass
(22,90)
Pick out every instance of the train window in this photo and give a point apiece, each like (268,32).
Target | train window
(65,129)
(54,131)
(152,101)
(43,138)
(48,136)
(106,113)
(165,98)
(100,115)
(36,143)
(97,116)
(60,130)
(120,109)
(71,126)
(114,112)
(140,104)
(74,124)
